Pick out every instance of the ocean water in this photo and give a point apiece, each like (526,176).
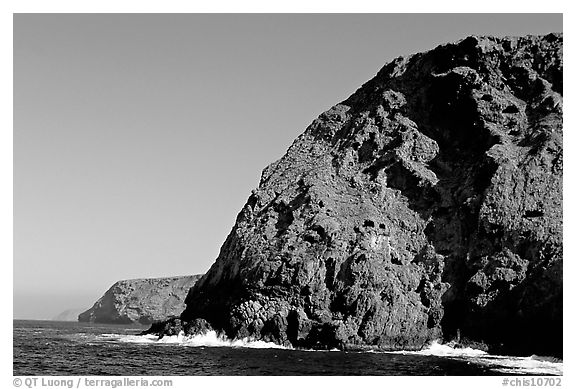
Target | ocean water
(70,348)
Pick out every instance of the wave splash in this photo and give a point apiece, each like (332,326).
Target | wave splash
(534,365)
(210,339)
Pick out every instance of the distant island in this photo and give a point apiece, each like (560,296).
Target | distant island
(141,301)
(68,315)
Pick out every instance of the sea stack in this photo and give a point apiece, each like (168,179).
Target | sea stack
(427,205)
(143,301)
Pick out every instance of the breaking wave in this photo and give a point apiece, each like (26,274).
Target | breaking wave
(210,339)
(533,365)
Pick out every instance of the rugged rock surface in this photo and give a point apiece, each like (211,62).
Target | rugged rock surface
(175,326)
(142,301)
(427,205)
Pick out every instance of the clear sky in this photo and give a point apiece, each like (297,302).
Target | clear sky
(138,138)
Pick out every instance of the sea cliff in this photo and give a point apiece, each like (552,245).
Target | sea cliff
(427,205)
(142,301)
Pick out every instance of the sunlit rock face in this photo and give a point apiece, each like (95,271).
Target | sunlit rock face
(142,301)
(427,205)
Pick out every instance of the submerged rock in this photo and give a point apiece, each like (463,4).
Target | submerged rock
(142,301)
(427,204)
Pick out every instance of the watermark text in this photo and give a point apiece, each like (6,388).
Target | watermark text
(519,382)
(88,382)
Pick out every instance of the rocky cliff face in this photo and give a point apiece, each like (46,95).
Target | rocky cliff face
(140,301)
(427,205)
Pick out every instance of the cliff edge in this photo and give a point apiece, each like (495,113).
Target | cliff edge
(142,301)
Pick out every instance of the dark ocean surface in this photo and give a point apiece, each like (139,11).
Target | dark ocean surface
(70,348)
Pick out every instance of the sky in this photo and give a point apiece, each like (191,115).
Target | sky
(138,137)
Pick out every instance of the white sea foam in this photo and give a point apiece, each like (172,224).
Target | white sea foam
(210,339)
(443,350)
(497,363)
